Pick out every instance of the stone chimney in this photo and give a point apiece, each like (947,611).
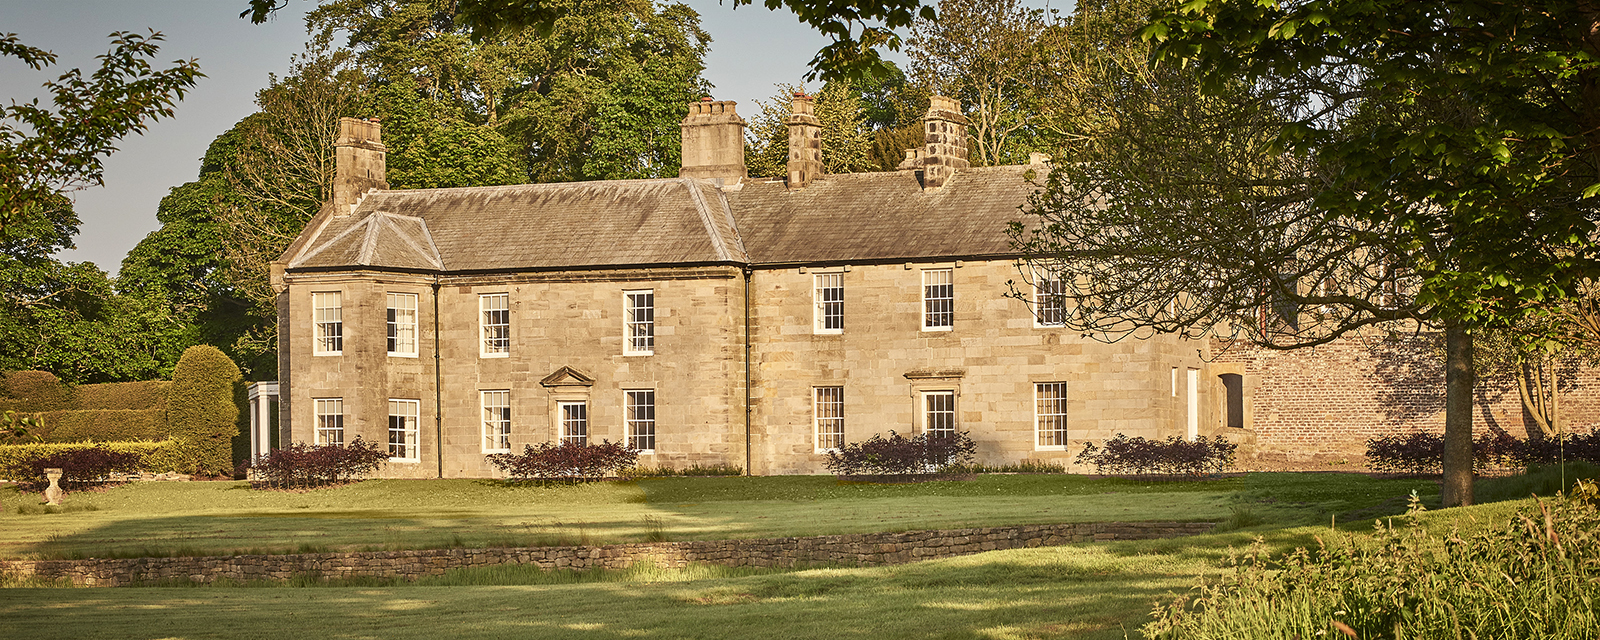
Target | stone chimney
(945,138)
(805,142)
(713,142)
(358,163)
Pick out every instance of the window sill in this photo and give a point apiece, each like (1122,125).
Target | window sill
(937,329)
(1050,447)
(828,332)
(630,354)
(327,353)
(402,355)
(489,451)
(503,354)
(406,460)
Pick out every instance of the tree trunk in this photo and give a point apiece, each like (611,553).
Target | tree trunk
(1457,489)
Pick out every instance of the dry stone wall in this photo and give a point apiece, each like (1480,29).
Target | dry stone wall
(853,550)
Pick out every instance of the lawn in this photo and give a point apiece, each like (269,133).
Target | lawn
(203,518)
(1090,591)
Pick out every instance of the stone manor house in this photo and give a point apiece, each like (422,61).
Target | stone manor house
(719,318)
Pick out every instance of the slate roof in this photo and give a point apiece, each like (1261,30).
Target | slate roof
(881,216)
(849,217)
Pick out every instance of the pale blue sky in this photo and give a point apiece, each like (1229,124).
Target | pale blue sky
(752,49)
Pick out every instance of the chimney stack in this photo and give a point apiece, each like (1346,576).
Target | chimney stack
(358,163)
(945,150)
(805,142)
(713,142)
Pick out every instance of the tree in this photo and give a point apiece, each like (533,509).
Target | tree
(47,153)
(598,96)
(858,28)
(1452,144)
(997,57)
(846,145)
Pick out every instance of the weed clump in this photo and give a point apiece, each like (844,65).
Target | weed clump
(1536,576)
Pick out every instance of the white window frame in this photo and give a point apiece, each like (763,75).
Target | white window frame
(639,322)
(930,415)
(401,316)
(930,315)
(827,418)
(407,434)
(574,418)
(496,431)
(1050,416)
(327,323)
(329,423)
(1049,300)
(827,309)
(639,419)
(494,335)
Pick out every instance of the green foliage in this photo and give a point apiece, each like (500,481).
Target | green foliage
(15,459)
(691,471)
(103,425)
(34,391)
(148,394)
(432,146)
(1533,575)
(201,414)
(858,28)
(846,143)
(1545,480)
(46,153)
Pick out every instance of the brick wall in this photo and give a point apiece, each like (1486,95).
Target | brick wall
(1330,399)
(855,550)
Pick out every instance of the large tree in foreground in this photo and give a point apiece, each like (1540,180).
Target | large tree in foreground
(1429,162)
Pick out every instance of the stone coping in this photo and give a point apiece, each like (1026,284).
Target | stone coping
(862,549)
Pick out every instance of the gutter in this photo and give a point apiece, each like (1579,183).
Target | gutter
(438,382)
(747,407)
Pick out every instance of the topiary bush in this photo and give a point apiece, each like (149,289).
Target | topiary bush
(899,455)
(117,425)
(201,415)
(304,466)
(1174,456)
(566,461)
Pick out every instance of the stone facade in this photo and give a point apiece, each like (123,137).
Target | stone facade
(847,550)
(732,266)
(992,358)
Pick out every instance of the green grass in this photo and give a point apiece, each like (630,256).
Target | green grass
(202,518)
(1098,591)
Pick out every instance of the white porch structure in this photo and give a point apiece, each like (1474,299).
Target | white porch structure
(262,396)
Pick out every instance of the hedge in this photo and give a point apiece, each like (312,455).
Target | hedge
(15,459)
(33,391)
(103,425)
(201,414)
(149,394)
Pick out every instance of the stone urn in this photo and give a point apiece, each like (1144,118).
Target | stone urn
(52,494)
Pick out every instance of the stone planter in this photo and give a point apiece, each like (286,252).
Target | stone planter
(908,478)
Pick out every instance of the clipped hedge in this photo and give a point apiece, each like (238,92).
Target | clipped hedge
(201,414)
(33,391)
(149,394)
(16,460)
(103,425)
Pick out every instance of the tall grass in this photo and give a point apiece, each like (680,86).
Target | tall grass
(1537,575)
(1540,480)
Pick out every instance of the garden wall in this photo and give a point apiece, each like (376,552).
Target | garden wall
(1330,399)
(856,550)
